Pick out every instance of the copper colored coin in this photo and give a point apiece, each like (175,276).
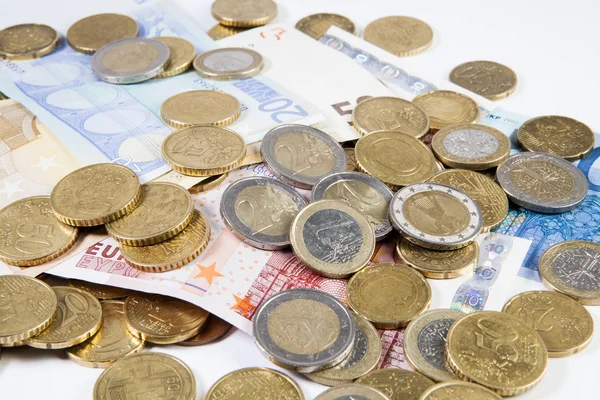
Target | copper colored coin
(214,329)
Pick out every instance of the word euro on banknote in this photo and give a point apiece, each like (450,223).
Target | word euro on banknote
(101,122)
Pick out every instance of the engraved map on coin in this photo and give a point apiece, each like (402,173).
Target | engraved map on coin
(546,180)
(130,57)
(362,197)
(332,236)
(304,154)
(390,114)
(266,209)
(486,78)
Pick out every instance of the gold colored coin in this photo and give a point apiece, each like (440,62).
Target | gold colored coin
(255,384)
(402,36)
(560,136)
(200,107)
(219,31)
(78,317)
(164,210)
(389,295)
(316,25)
(445,107)
(90,33)
(209,183)
(13,344)
(564,325)
(471,146)
(182,55)
(486,78)
(172,253)
(571,268)
(150,375)
(244,13)
(204,150)
(27,41)
(352,391)
(112,342)
(397,159)
(102,292)
(454,390)
(496,350)
(31,233)
(390,114)
(213,329)
(28,307)
(95,195)
(397,384)
(438,264)
(488,195)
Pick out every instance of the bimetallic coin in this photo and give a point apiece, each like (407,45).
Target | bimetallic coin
(255,384)
(490,197)
(490,339)
(390,114)
(213,329)
(95,195)
(471,146)
(445,107)
(435,216)
(438,264)
(78,317)
(332,238)
(425,343)
(352,392)
(454,390)
(301,155)
(27,41)
(486,78)
(182,55)
(389,295)
(131,60)
(316,25)
(366,194)
(571,268)
(28,307)
(564,325)
(560,136)
(260,211)
(229,63)
(395,158)
(102,292)
(542,182)
(200,107)
(327,325)
(402,36)
(164,210)
(112,342)
(244,13)
(397,384)
(219,31)
(91,33)
(161,374)
(31,233)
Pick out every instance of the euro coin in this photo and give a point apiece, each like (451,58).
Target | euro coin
(27,41)
(402,36)
(212,330)
(200,107)
(256,384)
(182,55)
(445,107)
(229,63)
(352,391)
(209,183)
(244,13)
(219,31)
(350,159)
(397,384)
(91,33)
(101,292)
(453,390)
(316,25)
(390,114)
(489,79)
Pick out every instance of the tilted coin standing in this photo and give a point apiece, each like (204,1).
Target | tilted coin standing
(182,55)
(102,292)
(425,343)
(445,107)
(256,384)
(219,31)
(471,146)
(209,183)
(542,182)
(91,33)
(328,327)
(260,211)
(389,295)
(486,78)
(490,339)
(352,391)
(390,114)
(316,25)
(213,329)
(31,233)
(564,325)
(95,195)
(164,210)
(229,63)
(200,107)
(397,384)
(158,373)
(435,216)
(244,13)
(397,159)
(402,36)
(301,155)
(366,194)
(27,41)
(453,390)
(29,306)
(332,238)
(560,136)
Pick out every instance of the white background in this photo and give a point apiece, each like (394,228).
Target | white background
(552,45)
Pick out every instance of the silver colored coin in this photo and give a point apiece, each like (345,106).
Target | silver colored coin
(229,63)
(260,211)
(301,155)
(131,60)
(352,391)
(328,327)
(366,194)
(542,182)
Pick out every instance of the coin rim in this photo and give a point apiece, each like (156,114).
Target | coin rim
(192,343)
(172,69)
(31,55)
(250,71)
(364,132)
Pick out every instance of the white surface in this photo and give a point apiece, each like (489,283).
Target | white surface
(552,46)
